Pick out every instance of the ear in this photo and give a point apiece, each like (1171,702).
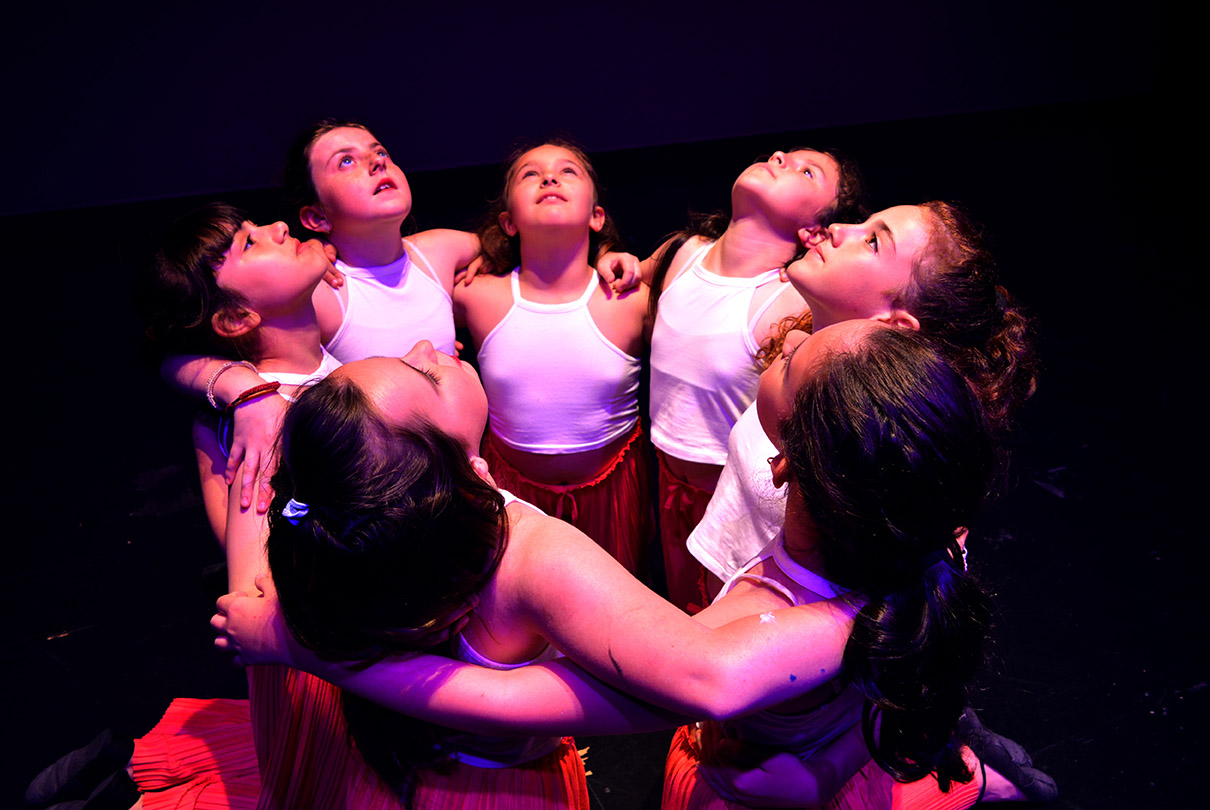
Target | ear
(899,318)
(479,465)
(231,323)
(781,470)
(598,218)
(506,224)
(313,218)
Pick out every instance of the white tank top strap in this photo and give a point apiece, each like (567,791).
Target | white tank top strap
(560,306)
(425,266)
(694,262)
(750,336)
(805,577)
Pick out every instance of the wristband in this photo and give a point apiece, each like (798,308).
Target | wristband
(214,378)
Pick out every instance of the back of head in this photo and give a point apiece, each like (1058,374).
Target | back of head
(399,531)
(892,453)
(955,294)
(179,294)
(397,534)
(504,251)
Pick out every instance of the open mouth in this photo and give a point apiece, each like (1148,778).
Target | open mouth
(551,197)
(384,186)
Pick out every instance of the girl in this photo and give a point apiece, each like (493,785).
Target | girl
(221,284)
(920,267)
(395,291)
(719,291)
(560,354)
(930,468)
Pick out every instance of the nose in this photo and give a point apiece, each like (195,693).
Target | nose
(550,179)
(422,351)
(778,158)
(838,234)
(378,162)
(279,231)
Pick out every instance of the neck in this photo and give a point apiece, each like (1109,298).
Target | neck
(555,265)
(802,535)
(290,343)
(368,244)
(749,247)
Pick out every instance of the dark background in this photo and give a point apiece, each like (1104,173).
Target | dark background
(1056,124)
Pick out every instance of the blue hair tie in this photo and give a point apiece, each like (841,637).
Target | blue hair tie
(295,511)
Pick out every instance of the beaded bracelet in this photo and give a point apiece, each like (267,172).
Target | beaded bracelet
(214,378)
(252,393)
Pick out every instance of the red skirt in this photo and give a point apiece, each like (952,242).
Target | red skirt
(614,509)
(681,508)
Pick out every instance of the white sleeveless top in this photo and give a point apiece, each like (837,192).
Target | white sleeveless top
(391,308)
(554,382)
(703,366)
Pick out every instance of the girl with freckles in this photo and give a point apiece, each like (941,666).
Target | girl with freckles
(560,353)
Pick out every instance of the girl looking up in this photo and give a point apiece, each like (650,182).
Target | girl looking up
(223,285)
(560,354)
(716,294)
(921,267)
(395,292)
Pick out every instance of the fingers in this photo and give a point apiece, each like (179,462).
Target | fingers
(248,481)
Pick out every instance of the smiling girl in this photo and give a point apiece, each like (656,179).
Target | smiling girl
(560,354)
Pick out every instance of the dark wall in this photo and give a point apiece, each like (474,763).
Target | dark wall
(119,102)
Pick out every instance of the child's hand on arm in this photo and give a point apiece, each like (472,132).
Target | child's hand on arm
(252,627)
(621,271)
(254,442)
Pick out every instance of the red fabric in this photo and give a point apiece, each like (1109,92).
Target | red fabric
(681,508)
(308,761)
(614,509)
(869,789)
(925,794)
(200,755)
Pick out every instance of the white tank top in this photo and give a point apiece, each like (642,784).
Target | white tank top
(746,511)
(554,383)
(703,366)
(391,308)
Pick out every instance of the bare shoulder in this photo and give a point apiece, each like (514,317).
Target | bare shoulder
(622,318)
(446,250)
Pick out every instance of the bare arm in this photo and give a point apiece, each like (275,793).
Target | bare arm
(254,430)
